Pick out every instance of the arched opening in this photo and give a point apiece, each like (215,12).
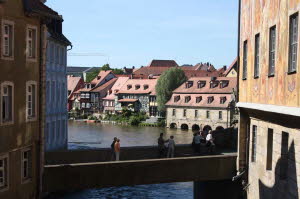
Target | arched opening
(195,127)
(184,127)
(219,128)
(173,125)
(207,128)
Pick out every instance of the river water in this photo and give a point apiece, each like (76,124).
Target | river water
(84,136)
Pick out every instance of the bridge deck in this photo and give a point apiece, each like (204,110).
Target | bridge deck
(71,176)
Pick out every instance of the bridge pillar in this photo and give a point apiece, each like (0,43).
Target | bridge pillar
(225,189)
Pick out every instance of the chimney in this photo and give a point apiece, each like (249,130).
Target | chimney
(225,67)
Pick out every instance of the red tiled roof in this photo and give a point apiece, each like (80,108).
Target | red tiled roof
(104,86)
(84,90)
(206,89)
(203,103)
(72,82)
(40,8)
(116,87)
(233,65)
(141,90)
(144,72)
(101,76)
(200,73)
(128,100)
(163,63)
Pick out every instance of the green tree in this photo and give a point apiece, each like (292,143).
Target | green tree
(90,76)
(167,82)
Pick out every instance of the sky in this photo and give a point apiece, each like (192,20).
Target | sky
(126,33)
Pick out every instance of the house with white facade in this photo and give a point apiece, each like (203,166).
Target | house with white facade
(56,88)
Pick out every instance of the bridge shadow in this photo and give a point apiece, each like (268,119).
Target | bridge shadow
(286,185)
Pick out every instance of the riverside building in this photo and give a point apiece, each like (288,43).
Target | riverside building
(203,103)
(56,127)
(22,98)
(269,98)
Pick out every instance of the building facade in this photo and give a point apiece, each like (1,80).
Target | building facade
(135,95)
(22,55)
(74,84)
(269,98)
(56,127)
(203,103)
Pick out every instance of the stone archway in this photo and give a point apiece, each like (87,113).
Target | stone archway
(173,125)
(184,127)
(207,128)
(195,127)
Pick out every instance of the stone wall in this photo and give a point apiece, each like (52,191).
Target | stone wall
(268,183)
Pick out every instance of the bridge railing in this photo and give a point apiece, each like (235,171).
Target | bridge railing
(127,153)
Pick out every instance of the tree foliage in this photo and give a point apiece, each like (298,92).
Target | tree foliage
(167,82)
(90,76)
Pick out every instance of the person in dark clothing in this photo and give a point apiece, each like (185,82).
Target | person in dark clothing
(112,146)
(161,146)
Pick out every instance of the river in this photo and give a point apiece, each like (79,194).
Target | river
(84,136)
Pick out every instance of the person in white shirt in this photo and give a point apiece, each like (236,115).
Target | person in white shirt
(171,147)
(209,141)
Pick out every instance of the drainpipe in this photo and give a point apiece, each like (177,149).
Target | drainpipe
(40,168)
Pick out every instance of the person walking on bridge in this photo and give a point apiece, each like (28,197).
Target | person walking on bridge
(117,149)
(171,147)
(161,146)
(112,146)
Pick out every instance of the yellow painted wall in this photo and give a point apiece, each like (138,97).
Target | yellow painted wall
(257,16)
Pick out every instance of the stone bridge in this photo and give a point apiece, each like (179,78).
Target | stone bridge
(82,169)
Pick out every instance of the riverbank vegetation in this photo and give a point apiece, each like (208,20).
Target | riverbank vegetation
(127,116)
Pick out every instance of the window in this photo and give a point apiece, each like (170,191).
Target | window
(187,99)
(196,113)
(57,55)
(176,98)
(222,100)
(26,165)
(53,93)
(7,102)
(269,149)
(31,100)
(129,87)
(214,84)
(174,112)
(83,105)
(3,172)
(254,137)
(210,100)
(220,115)
(293,43)
(207,114)
(245,60)
(201,84)
(272,50)
(189,84)
(31,43)
(7,39)
(256,58)
(137,87)
(198,99)
(61,56)
(224,83)
(284,155)
(184,112)
(146,87)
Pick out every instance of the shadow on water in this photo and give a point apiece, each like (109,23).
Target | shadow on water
(286,185)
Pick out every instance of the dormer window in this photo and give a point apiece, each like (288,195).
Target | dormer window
(137,87)
(116,91)
(187,99)
(129,87)
(176,98)
(222,100)
(189,84)
(198,99)
(146,87)
(214,84)
(224,83)
(201,84)
(210,100)
(98,77)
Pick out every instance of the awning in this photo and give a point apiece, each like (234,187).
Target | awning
(128,100)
